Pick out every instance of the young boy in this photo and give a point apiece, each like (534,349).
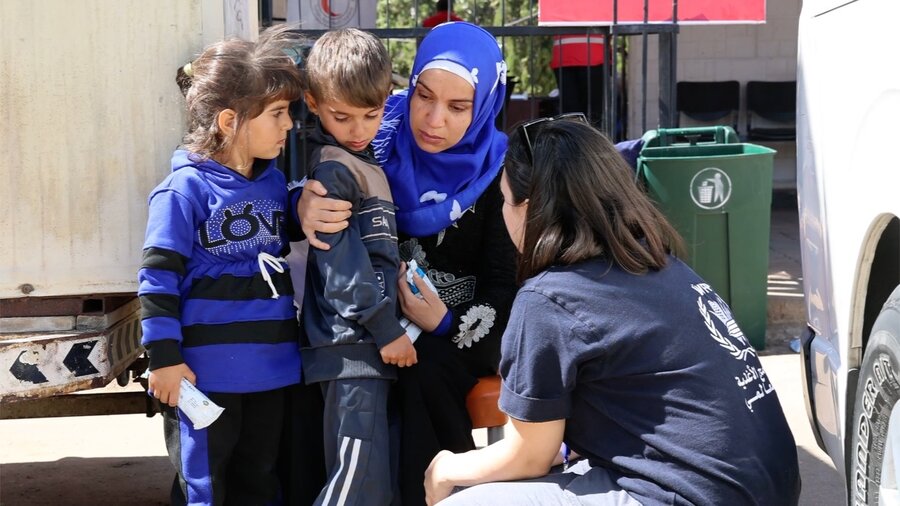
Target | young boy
(351,334)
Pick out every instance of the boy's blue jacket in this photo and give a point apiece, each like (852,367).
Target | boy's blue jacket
(205,299)
(350,301)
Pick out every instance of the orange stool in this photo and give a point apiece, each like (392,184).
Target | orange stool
(482,406)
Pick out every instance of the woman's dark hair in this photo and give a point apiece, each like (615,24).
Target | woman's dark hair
(239,75)
(583,202)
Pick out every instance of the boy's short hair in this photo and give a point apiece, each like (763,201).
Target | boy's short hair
(349,65)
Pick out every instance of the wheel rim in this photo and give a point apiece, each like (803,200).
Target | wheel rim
(888,493)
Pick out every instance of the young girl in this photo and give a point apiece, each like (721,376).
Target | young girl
(215,290)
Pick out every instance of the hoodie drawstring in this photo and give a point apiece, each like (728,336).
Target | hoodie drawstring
(265,259)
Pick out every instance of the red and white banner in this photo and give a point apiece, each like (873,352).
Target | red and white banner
(600,12)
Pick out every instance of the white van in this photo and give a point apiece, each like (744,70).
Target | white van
(848,124)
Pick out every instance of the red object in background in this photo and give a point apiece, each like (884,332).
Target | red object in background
(600,12)
(577,51)
(438,18)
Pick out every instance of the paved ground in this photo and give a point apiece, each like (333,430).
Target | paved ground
(117,460)
(786,310)
(120,460)
(822,485)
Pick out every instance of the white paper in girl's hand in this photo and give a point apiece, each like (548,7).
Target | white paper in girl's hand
(197,406)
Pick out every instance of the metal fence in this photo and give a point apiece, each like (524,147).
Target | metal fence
(514,24)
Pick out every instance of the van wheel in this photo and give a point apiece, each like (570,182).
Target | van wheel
(875,452)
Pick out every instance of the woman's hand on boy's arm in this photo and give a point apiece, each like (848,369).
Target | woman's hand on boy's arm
(426,312)
(165,382)
(320,214)
(399,352)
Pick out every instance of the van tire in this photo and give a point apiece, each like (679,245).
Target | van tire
(877,393)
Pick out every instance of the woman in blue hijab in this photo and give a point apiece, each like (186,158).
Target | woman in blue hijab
(432,170)
(442,155)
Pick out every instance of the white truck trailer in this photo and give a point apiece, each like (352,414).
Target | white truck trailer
(89,117)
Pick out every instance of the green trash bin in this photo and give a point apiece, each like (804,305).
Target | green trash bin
(718,195)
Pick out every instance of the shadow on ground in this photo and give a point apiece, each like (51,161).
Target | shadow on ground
(821,484)
(75,481)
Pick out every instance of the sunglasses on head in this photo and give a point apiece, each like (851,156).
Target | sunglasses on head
(531,129)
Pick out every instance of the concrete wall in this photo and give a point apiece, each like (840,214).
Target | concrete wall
(764,52)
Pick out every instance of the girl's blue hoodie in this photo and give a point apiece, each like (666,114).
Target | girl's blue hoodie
(214,291)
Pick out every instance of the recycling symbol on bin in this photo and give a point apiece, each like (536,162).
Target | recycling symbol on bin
(710,188)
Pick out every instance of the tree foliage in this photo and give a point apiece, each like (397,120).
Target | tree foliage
(528,57)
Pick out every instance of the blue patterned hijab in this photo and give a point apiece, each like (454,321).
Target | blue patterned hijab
(433,190)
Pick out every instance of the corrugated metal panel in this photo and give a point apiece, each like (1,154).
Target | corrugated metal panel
(89,116)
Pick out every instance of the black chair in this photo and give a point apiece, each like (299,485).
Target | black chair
(775,102)
(709,101)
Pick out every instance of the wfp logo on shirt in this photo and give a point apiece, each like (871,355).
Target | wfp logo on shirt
(243,225)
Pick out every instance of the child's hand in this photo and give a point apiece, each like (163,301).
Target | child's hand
(320,214)
(400,352)
(165,382)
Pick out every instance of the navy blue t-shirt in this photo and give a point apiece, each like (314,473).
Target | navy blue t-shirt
(656,382)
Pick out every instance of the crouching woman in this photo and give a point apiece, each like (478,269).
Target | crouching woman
(616,350)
